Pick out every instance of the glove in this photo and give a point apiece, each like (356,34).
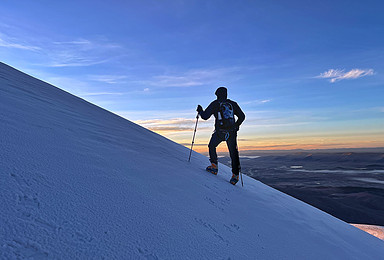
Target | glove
(199,109)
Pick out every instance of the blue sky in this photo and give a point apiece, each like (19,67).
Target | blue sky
(308,74)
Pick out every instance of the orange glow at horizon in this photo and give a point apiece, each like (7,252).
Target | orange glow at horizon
(279,141)
(293,144)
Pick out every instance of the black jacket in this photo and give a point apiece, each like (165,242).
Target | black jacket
(213,109)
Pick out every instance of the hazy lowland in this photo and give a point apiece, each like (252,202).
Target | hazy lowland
(348,184)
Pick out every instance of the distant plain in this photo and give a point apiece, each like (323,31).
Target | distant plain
(348,184)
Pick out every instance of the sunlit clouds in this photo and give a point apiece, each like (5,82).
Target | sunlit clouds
(166,126)
(336,75)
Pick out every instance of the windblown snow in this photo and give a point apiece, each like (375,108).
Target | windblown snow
(79,182)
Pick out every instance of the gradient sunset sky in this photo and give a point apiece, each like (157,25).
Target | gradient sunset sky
(308,74)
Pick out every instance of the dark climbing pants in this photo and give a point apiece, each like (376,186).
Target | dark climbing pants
(230,138)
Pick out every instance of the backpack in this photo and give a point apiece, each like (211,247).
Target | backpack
(225,115)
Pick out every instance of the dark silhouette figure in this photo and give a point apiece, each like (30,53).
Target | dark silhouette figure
(226,127)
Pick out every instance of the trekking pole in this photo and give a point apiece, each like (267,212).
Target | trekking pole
(193,139)
(241,175)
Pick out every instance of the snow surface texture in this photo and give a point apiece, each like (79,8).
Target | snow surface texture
(78,182)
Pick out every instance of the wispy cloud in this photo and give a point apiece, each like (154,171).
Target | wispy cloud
(269,147)
(195,144)
(16,44)
(112,93)
(103,93)
(190,78)
(168,125)
(335,74)
(110,79)
(75,61)
(70,84)
(80,53)
(258,102)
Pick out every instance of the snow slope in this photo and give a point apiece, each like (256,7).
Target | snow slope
(78,182)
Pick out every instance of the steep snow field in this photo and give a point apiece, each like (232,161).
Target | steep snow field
(78,182)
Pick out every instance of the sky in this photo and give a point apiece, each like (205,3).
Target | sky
(307,74)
